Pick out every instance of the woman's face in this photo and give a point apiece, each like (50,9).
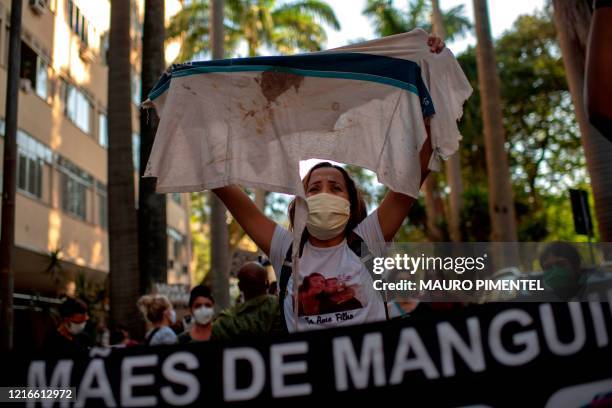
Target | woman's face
(317,284)
(327,180)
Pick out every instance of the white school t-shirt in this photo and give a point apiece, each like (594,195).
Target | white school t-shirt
(350,297)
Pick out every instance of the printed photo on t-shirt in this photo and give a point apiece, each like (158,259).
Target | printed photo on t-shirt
(318,295)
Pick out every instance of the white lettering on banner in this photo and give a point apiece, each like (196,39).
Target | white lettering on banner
(231,392)
(529,339)
(513,338)
(449,339)
(410,340)
(550,330)
(95,374)
(345,360)
(129,380)
(280,369)
(186,379)
(599,324)
(59,379)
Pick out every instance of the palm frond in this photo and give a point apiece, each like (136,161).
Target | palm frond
(320,10)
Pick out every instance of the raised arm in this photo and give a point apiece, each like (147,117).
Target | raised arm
(395,206)
(257,226)
(599,72)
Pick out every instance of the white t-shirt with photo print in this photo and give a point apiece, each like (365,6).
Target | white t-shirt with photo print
(350,297)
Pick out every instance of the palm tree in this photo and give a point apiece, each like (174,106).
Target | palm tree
(501,204)
(152,236)
(389,20)
(122,228)
(286,27)
(453,164)
(572,19)
(219,241)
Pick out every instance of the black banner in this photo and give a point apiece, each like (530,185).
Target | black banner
(549,354)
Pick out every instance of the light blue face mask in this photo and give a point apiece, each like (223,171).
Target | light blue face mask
(173,316)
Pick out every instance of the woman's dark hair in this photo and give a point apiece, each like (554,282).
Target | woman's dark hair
(358,206)
(306,282)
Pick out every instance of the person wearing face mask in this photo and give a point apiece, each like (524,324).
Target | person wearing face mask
(160,315)
(69,338)
(336,228)
(257,316)
(563,274)
(201,305)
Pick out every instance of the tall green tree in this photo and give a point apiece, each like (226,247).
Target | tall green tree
(546,157)
(284,27)
(123,222)
(388,19)
(572,19)
(453,164)
(152,236)
(501,204)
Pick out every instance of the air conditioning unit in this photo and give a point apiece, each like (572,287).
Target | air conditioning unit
(38,6)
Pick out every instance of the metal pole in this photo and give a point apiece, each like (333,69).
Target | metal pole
(218,227)
(587,222)
(7,236)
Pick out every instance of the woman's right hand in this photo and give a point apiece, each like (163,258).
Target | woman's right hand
(254,222)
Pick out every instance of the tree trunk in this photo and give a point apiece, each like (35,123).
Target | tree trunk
(572,20)
(434,209)
(122,228)
(453,164)
(501,204)
(219,241)
(152,235)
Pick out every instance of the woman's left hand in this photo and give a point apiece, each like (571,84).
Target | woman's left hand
(436,44)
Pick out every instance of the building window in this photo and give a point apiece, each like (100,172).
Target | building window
(136,151)
(41,79)
(104,47)
(176,197)
(29,174)
(103,131)
(31,158)
(77,107)
(33,72)
(77,22)
(75,183)
(102,205)
(177,244)
(74,197)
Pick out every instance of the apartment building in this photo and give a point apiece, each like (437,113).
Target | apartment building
(61,204)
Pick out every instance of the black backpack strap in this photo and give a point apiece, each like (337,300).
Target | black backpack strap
(148,339)
(285,275)
(356,244)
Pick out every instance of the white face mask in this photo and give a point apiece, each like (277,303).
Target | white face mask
(328,215)
(172,316)
(76,328)
(203,315)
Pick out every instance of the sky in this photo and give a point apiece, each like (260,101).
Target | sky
(502,14)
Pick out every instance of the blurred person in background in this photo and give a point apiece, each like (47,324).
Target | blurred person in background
(69,339)
(201,305)
(160,315)
(259,315)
